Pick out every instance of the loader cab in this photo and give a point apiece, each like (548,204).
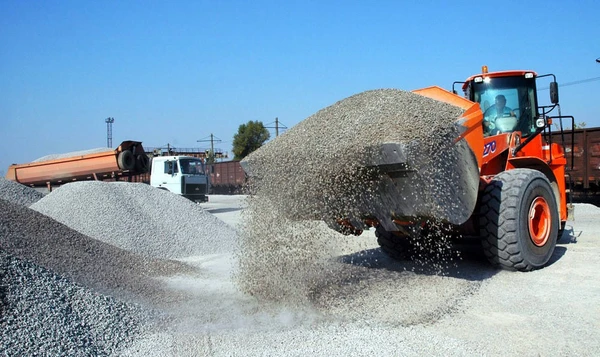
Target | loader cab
(507,99)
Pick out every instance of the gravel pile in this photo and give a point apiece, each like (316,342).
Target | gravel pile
(17,193)
(72,154)
(65,293)
(316,171)
(42,313)
(43,241)
(138,218)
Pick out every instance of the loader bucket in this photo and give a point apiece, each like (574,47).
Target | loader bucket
(469,124)
(384,156)
(436,178)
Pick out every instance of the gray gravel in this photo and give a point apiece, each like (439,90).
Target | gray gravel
(44,314)
(138,218)
(41,240)
(315,171)
(15,192)
(391,308)
(59,288)
(72,154)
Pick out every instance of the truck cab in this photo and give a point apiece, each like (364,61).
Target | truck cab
(183,175)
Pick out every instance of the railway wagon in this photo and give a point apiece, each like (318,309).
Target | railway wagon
(226,177)
(583,163)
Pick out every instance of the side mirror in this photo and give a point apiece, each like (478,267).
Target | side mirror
(554,92)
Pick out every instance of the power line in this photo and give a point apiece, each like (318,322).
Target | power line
(278,125)
(581,81)
(587,80)
(212,140)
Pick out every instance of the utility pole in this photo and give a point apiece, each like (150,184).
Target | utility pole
(109,122)
(276,127)
(212,140)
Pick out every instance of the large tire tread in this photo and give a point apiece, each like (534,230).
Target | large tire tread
(126,160)
(502,239)
(397,248)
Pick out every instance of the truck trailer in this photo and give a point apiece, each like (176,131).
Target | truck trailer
(127,159)
(183,175)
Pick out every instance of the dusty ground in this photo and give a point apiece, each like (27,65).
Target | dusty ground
(393,308)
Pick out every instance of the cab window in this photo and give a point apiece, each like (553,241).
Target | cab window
(192,166)
(171,167)
(512,99)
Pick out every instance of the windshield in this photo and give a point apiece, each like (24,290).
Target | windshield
(191,166)
(508,104)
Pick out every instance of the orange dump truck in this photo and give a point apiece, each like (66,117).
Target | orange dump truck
(127,159)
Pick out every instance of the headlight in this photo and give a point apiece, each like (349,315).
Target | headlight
(540,123)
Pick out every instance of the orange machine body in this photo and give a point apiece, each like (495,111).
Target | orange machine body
(494,153)
(538,154)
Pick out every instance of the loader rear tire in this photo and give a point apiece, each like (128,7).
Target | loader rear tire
(519,220)
(126,160)
(398,248)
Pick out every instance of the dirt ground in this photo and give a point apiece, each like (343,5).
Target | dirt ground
(394,308)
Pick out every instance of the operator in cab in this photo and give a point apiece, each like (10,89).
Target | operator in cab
(498,110)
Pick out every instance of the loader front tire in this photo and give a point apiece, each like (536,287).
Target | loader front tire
(519,220)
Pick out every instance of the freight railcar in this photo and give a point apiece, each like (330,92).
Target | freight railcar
(583,164)
(226,177)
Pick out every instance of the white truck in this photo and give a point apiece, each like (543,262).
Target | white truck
(183,175)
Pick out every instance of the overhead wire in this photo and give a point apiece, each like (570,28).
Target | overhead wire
(587,80)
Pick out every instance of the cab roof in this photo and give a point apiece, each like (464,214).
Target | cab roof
(513,73)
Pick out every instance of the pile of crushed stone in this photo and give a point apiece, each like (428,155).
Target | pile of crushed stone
(65,293)
(42,313)
(316,171)
(15,192)
(39,239)
(72,154)
(319,168)
(138,218)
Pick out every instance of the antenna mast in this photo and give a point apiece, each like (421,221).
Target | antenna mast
(109,122)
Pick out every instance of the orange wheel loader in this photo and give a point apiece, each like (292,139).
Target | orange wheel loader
(497,173)
(513,193)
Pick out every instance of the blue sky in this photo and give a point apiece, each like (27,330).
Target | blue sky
(176,71)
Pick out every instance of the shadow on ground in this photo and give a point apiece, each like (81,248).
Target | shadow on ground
(568,237)
(222,210)
(468,263)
